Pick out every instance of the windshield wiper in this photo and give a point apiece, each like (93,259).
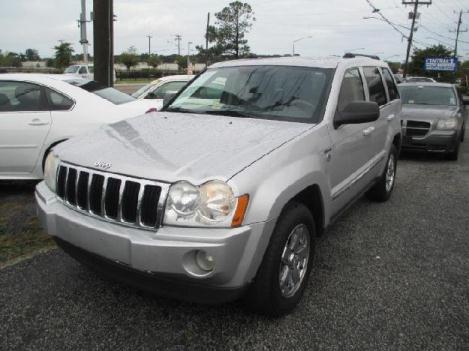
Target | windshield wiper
(179,109)
(231,113)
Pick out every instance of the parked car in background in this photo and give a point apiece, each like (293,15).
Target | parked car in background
(224,192)
(162,88)
(39,111)
(433,118)
(82,71)
(419,80)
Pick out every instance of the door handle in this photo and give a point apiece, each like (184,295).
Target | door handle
(37,122)
(368,131)
(390,117)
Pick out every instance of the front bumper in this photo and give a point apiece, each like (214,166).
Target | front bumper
(434,141)
(165,256)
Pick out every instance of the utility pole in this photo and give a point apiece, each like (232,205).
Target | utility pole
(178,39)
(206,39)
(149,45)
(458,31)
(103,35)
(82,25)
(416,4)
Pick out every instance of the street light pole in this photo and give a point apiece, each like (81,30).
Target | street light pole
(297,40)
(149,44)
(188,55)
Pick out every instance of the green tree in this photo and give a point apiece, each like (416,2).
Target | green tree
(63,54)
(229,33)
(129,58)
(10,59)
(153,60)
(417,65)
(32,55)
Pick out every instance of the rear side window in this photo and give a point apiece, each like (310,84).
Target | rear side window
(57,101)
(392,89)
(351,89)
(375,85)
(83,70)
(20,96)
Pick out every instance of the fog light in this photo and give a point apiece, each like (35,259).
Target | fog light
(204,261)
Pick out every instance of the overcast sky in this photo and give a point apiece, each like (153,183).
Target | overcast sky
(336,26)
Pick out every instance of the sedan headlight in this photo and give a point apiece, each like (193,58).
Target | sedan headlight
(210,204)
(50,171)
(446,124)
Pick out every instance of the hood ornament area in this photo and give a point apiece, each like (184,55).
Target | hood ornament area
(102,165)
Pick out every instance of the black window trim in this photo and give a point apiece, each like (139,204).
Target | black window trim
(49,103)
(381,69)
(382,81)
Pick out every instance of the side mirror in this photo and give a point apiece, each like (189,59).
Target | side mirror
(357,112)
(465,100)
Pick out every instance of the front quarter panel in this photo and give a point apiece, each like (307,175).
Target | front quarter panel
(275,179)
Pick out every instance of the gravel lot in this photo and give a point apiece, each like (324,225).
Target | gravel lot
(387,276)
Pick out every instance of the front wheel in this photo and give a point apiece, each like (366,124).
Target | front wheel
(382,190)
(283,274)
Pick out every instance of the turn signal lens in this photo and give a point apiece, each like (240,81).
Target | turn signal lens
(241,208)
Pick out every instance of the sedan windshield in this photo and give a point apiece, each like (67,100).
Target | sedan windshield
(72,69)
(427,95)
(268,92)
(144,89)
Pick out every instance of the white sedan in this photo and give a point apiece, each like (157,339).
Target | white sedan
(162,88)
(39,111)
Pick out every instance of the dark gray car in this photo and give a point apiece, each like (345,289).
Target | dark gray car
(433,118)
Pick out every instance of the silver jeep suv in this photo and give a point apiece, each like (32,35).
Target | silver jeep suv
(223,193)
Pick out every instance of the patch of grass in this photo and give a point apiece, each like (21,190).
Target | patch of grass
(13,247)
(20,231)
(135,81)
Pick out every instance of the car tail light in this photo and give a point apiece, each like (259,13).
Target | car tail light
(152,109)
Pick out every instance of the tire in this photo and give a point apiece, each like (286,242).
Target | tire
(453,155)
(463,133)
(265,295)
(382,190)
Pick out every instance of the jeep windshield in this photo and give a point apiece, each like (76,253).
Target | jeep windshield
(268,92)
(427,95)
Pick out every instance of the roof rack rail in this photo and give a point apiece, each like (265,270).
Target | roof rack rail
(351,55)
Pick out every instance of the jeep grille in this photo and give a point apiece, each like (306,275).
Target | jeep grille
(124,200)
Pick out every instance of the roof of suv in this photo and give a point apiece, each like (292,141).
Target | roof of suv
(320,62)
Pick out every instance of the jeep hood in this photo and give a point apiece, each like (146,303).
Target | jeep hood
(428,113)
(178,146)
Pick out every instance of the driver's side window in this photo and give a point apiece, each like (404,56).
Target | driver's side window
(352,89)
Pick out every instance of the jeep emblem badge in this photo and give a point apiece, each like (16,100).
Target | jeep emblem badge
(102,165)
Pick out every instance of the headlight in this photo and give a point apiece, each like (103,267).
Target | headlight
(50,171)
(210,204)
(445,124)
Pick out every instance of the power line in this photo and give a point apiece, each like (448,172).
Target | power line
(411,36)
(377,11)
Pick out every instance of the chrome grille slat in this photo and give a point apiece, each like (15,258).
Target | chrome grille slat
(137,191)
(90,179)
(119,206)
(103,198)
(139,204)
(66,183)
